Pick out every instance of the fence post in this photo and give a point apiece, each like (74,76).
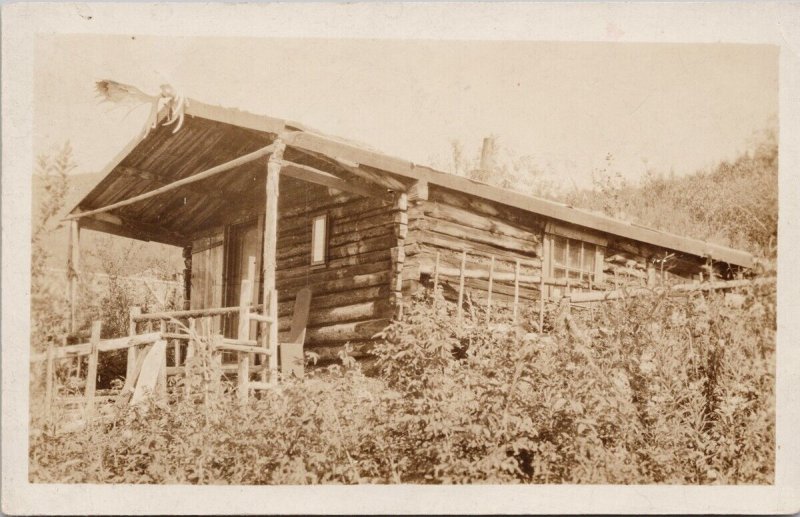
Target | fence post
(516,290)
(489,297)
(162,374)
(91,375)
(461,284)
(132,314)
(50,374)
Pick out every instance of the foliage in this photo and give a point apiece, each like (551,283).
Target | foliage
(734,204)
(107,300)
(665,390)
(48,306)
(506,169)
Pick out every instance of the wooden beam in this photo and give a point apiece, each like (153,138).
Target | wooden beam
(139,230)
(73,267)
(379,178)
(326,179)
(158,181)
(418,191)
(180,183)
(270,260)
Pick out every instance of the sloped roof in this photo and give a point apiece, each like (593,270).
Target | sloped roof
(212,135)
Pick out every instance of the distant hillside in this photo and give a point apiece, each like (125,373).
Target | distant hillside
(138,256)
(734,204)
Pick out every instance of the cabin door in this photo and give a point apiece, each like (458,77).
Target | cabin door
(243,241)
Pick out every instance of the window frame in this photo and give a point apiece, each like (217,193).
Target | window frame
(326,243)
(571,235)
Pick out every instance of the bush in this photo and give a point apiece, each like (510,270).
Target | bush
(665,390)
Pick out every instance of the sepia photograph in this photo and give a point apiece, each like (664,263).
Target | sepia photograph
(269,260)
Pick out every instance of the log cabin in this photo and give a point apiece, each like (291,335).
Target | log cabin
(361,229)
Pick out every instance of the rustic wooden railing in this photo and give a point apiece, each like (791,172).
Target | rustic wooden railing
(586,291)
(186,323)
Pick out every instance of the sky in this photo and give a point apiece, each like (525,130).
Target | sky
(664,107)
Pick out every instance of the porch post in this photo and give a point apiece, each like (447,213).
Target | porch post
(270,256)
(73,267)
(187,277)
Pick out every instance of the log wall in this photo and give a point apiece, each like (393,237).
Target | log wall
(351,293)
(449,222)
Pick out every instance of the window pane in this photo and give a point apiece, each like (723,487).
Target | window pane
(574,254)
(575,275)
(559,273)
(559,250)
(588,257)
(319,239)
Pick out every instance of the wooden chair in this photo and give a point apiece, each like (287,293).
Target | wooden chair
(291,350)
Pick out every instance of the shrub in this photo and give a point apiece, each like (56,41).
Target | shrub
(663,390)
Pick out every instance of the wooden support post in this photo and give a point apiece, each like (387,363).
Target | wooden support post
(91,375)
(516,290)
(459,309)
(73,267)
(162,373)
(651,274)
(273,336)
(50,377)
(187,277)
(489,297)
(245,299)
(270,251)
(133,312)
(190,346)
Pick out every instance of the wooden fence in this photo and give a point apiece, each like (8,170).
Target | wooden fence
(177,328)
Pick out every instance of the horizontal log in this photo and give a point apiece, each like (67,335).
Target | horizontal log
(429,238)
(302,276)
(320,289)
(234,346)
(107,345)
(336,299)
(372,309)
(428,269)
(483,237)
(335,206)
(347,331)
(491,224)
(338,232)
(364,258)
(502,263)
(479,205)
(340,244)
(192,313)
(312,175)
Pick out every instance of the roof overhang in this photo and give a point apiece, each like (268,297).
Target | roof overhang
(212,134)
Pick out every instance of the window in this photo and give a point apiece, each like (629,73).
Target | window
(573,259)
(574,256)
(319,240)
